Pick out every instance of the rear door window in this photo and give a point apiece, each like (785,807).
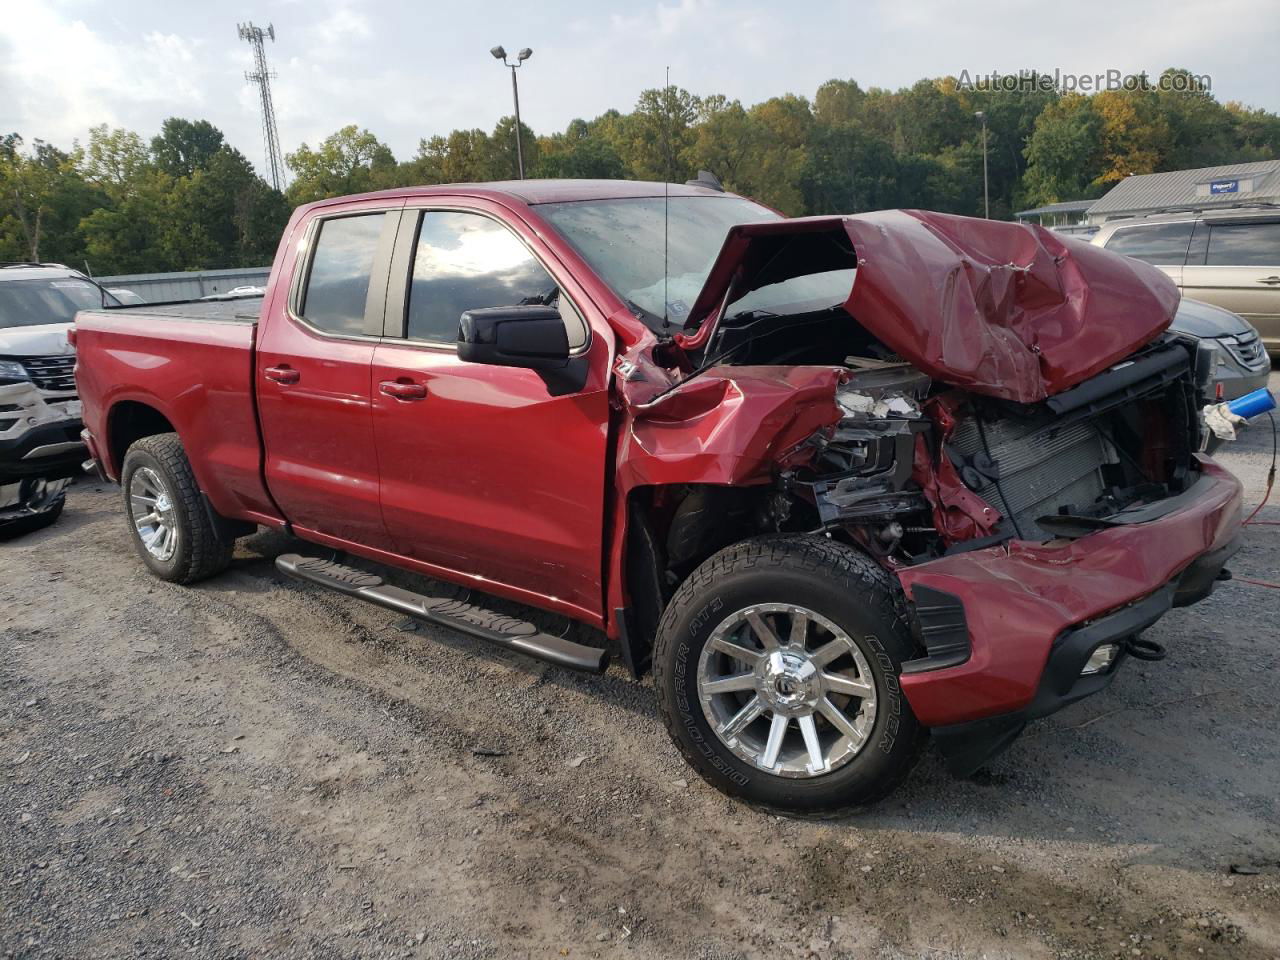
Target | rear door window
(1244,245)
(1163,244)
(467,261)
(338,282)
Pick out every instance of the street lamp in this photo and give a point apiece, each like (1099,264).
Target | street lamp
(986,201)
(500,54)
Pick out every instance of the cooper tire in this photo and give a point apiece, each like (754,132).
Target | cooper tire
(198,551)
(842,588)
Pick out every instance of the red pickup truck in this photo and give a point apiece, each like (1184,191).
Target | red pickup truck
(839,480)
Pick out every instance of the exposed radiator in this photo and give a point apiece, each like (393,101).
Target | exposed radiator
(1040,470)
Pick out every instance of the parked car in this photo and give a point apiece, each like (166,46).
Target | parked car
(40,445)
(127,297)
(1229,258)
(1239,363)
(235,293)
(838,480)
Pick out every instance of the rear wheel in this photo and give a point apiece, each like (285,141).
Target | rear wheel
(171,528)
(777,671)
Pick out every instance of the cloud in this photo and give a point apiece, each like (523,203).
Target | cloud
(58,88)
(408,69)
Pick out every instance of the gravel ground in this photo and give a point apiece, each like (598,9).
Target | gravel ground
(254,767)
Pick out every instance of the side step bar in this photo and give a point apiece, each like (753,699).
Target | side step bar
(466,618)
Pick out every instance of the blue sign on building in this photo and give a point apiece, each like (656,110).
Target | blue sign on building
(1225,186)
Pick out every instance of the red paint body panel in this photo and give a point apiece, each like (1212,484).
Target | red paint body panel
(197,375)
(731,425)
(958,512)
(1003,309)
(490,476)
(320,462)
(1018,597)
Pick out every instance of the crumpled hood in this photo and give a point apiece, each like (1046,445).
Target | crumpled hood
(1007,310)
(45,340)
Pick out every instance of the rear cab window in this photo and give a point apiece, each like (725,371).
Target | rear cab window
(1160,244)
(336,291)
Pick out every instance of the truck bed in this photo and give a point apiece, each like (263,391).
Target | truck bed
(237,310)
(193,364)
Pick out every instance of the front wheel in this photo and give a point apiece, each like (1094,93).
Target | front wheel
(777,668)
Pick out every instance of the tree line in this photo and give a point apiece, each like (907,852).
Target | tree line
(188,200)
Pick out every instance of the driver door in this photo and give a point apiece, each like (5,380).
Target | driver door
(486,476)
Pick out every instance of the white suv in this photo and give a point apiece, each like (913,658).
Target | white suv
(40,446)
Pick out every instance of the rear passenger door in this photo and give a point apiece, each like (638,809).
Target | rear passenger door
(486,471)
(1236,264)
(312,372)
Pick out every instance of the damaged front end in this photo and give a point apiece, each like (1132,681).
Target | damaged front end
(992,412)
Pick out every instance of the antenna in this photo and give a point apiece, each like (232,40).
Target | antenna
(666,198)
(261,75)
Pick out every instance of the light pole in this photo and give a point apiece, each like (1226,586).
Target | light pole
(986,200)
(500,54)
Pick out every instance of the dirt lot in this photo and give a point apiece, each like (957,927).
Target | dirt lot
(256,768)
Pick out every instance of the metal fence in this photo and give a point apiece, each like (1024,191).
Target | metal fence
(159,287)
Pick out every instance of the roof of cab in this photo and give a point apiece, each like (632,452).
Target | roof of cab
(547,191)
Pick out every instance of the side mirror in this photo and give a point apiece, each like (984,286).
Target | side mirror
(531,336)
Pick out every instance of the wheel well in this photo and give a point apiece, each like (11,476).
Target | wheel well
(130,421)
(670,531)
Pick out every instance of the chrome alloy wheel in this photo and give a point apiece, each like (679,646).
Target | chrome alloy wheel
(152,513)
(787,690)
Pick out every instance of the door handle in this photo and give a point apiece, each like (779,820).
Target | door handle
(1270,280)
(403,389)
(282,374)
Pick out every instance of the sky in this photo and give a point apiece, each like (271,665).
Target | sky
(408,69)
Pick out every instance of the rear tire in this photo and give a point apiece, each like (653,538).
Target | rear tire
(833,729)
(169,523)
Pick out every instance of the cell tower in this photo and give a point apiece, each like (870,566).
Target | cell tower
(262,77)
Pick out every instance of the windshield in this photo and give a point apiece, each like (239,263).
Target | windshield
(29,303)
(622,240)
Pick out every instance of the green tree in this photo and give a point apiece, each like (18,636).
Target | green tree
(837,102)
(1064,153)
(577,153)
(657,137)
(185,146)
(724,141)
(349,161)
(129,235)
(461,157)
(781,143)
(114,159)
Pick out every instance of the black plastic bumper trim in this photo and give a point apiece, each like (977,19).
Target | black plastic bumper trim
(938,620)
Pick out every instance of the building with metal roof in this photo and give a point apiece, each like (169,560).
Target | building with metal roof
(1057,214)
(1065,217)
(1231,185)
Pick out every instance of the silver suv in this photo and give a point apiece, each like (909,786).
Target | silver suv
(40,445)
(1229,258)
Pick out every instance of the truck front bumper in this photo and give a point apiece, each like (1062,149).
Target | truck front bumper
(1031,614)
